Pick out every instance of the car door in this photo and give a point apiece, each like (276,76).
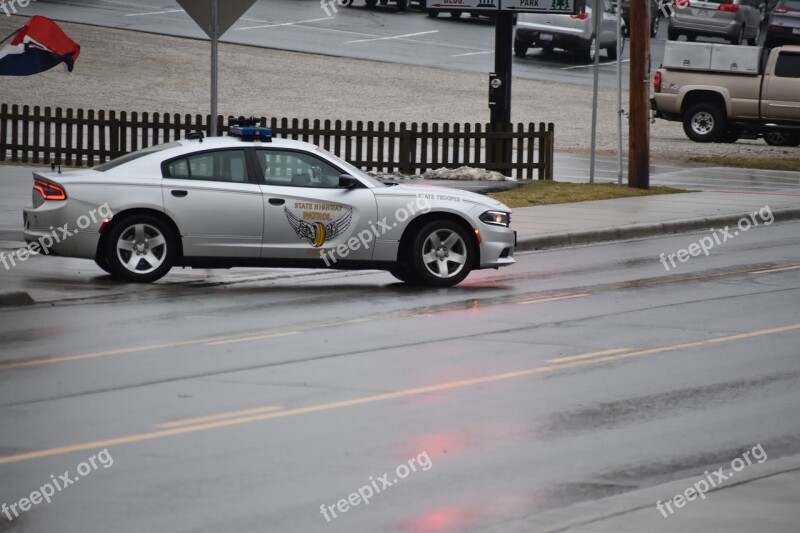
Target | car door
(781,97)
(215,202)
(306,212)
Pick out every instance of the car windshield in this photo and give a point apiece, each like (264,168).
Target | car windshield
(127,158)
(353,171)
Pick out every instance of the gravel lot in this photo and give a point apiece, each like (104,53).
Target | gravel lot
(122,70)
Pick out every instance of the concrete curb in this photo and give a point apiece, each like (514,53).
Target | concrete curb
(573,517)
(15,299)
(637,231)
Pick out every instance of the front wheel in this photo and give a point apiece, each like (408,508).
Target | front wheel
(704,123)
(613,52)
(442,254)
(141,249)
(590,51)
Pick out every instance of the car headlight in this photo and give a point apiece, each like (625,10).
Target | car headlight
(496,218)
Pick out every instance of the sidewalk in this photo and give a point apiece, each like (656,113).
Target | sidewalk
(763,498)
(627,218)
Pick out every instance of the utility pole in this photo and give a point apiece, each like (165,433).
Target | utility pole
(639,122)
(500,87)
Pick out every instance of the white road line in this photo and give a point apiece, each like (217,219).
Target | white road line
(128,4)
(473,53)
(275,25)
(271,22)
(393,37)
(592,65)
(155,13)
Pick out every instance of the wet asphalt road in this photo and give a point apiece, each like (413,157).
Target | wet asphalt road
(244,400)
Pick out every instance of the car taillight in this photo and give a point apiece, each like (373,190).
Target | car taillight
(680,3)
(580,16)
(657,82)
(780,10)
(729,8)
(49,191)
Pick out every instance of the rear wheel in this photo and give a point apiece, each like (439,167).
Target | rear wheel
(521,48)
(589,52)
(102,262)
(739,37)
(442,254)
(613,53)
(704,123)
(432,13)
(402,5)
(372,3)
(455,14)
(672,35)
(753,41)
(140,248)
(654,25)
(782,138)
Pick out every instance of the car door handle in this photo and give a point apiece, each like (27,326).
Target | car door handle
(277,201)
(179,194)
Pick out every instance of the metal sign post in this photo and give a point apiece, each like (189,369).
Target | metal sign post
(215,23)
(597,18)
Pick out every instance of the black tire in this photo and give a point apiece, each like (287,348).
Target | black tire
(442,253)
(148,238)
(402,272)
(432,13)
(384,2)
(731,135)
(704,123)
(456,14)
(613,53)
(371,3)
(782,138)
(102,262)
(589,51)
(672,35)
(655,24)
(521,48)
(402,5)
(753,41)
(739,37)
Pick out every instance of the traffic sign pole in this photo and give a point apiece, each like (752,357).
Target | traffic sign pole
(212,126)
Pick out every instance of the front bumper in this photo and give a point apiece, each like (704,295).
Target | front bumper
(497,246)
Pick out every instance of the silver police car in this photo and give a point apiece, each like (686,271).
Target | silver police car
(250,200)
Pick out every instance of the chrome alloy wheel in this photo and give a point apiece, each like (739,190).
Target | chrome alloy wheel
(444,253)
(141,248)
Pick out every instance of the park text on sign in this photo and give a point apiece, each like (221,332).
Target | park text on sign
(567,7)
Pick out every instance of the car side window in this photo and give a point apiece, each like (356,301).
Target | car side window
(222,165)
(788,66)
(296,169)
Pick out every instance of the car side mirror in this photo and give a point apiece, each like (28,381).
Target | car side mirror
(346,181)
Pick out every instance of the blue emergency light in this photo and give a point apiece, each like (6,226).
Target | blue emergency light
(248,129)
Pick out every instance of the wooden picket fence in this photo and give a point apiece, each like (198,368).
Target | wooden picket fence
(88,137)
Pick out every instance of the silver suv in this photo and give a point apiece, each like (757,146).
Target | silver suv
(734,20)
(574,33)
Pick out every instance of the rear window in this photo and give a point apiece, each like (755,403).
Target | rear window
(127,158)
(793,5)
(788,66)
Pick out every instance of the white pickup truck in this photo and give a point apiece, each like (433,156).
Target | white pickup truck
(723,92)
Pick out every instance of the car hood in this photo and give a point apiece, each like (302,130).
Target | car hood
(414,190)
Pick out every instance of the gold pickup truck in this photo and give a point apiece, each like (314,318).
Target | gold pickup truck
(723,92)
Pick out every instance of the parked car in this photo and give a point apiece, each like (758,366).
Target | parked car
(574,33)
(734,20)
(719,100)
(783,26)
(249,200)
(402,5)
(655,15)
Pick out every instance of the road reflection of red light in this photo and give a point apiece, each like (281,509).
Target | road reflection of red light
(442,520)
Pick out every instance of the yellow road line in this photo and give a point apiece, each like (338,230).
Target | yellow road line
(552,298)
(252,338)
(379,397)
(232,414)
(588,355)
(780,269)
